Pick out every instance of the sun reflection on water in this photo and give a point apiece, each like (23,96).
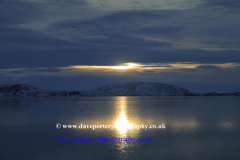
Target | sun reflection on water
(122,124)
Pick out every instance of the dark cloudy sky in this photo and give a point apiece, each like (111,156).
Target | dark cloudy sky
(84,44)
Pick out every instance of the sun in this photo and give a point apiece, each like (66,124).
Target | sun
(121,67)
(127,66)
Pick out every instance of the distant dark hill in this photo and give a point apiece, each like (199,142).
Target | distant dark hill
(19,90)
(24,90)
(135,88)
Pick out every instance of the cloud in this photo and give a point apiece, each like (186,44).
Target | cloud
(208,67)
(47,70)
(221,32)
(14,12)
(26,38)
(192,79)
(45,36)
(37,13)
(142,4)
(17,72)
(159,30)
(223,3)
(198,28)
(125,69)
(119,24)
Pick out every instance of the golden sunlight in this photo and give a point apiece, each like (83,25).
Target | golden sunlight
(127,66)
(122,124)
(140,67)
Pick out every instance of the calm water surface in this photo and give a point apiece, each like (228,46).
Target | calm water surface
(196,128)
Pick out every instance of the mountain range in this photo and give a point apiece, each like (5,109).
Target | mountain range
(135,88)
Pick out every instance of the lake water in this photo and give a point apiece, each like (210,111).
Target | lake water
(196,128)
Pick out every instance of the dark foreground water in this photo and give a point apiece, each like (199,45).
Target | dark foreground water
(199,128)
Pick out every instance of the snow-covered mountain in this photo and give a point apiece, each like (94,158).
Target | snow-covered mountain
(135,88)
(21,90)
(140,89)
(24,90)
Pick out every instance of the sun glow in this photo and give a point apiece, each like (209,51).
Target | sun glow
(122,124)
(137,67)
(121,67)
(127,66)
